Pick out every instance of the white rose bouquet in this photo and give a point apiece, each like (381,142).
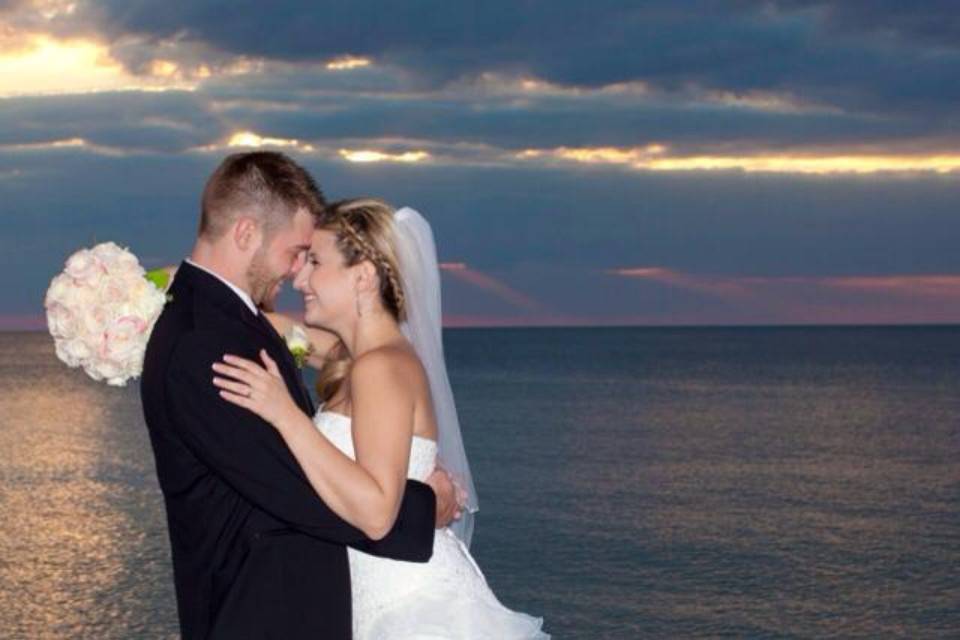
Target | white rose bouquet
(101,310)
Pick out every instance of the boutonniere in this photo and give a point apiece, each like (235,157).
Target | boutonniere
(299,344)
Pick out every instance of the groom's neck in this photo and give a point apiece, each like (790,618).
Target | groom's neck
(221,262)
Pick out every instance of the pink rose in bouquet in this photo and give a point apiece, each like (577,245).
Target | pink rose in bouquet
(100,312)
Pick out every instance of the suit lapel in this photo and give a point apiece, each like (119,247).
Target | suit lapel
(212,290)
(216,292)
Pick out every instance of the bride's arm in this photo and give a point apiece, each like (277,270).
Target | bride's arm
(321,341)
(365,493)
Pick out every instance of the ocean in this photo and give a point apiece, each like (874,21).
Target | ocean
(750,482)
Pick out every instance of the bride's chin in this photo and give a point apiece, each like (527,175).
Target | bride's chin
(313,318)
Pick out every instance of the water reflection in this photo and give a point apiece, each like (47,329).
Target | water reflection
(65,540)
(632,484)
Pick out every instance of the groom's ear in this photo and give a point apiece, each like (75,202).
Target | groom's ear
(246,233)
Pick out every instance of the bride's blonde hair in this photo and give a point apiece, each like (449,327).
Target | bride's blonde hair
(364,230)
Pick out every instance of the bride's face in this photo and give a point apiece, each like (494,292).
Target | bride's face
(327,284)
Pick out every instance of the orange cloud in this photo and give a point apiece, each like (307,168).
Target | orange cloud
(345,63)
(251,139)
(656,157)
(46,65)
(369,155)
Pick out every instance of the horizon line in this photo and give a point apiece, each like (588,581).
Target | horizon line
(824,325)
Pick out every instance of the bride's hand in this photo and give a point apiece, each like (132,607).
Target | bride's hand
(261,390)
(448,497)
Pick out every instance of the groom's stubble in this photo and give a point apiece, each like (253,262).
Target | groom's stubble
(261,279)
(279,256)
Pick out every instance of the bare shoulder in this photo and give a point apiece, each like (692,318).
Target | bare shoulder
(384,390)
(393,378)
(389,364)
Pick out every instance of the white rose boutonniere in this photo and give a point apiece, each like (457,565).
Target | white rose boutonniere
(299,344)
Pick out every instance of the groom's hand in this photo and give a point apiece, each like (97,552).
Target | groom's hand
(448,509)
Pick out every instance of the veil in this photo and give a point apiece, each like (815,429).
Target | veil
(420,278)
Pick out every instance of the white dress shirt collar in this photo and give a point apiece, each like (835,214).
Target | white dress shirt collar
(237,290)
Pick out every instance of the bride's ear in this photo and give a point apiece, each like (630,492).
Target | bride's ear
(365,275)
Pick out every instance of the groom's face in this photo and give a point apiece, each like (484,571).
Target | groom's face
(279,257)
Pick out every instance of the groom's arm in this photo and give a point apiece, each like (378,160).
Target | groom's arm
(249,455)
(408,539)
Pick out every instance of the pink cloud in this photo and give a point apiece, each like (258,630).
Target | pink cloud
(934,285)
(557,320)
(894,299)
(944,285)
(23,322)
(461,271)
(711,285)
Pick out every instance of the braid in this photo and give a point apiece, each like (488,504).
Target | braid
(399,296)
(364,230)
(383,266)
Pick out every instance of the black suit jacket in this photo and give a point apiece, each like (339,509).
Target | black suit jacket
(256,553)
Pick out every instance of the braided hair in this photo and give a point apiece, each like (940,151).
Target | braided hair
(364,231)
(357,246)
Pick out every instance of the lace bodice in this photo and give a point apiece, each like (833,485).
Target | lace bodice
(336,427)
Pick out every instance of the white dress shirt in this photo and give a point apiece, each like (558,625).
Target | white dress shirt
(237,290)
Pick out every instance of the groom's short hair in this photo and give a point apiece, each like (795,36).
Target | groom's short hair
(265,185)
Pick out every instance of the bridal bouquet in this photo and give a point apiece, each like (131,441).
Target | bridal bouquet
(101,310)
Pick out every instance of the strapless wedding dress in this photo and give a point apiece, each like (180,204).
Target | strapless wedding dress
(447,597)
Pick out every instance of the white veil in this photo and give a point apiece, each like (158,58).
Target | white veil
(420,278)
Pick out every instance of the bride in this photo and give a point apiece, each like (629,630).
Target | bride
(371,290)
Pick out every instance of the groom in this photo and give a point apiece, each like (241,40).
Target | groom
(256,553)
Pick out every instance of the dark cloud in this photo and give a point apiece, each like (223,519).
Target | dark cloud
(577,121)
(125,121)
(506,221)
(293,108)
(850,76)
(836,52)
(881,72)
(935,22)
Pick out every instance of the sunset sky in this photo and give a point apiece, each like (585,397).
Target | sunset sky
(663,162)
